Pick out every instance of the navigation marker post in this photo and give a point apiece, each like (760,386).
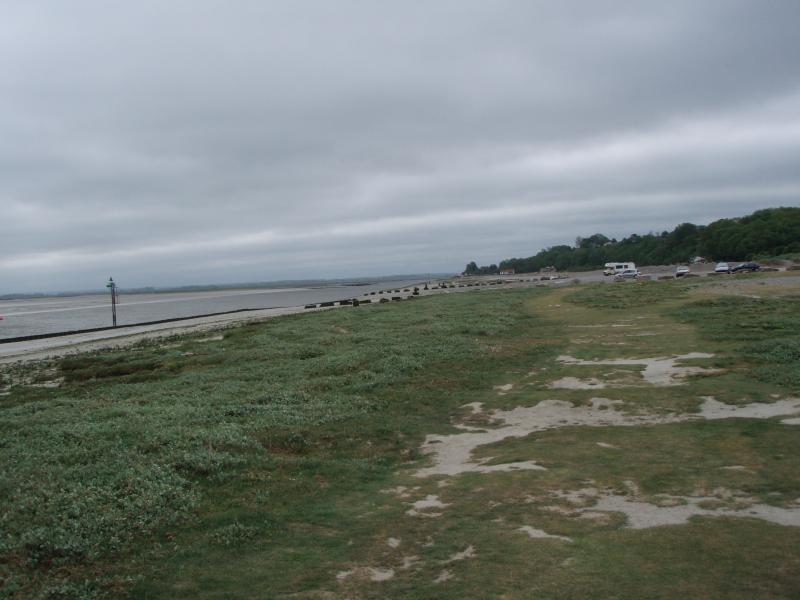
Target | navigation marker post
(113,287)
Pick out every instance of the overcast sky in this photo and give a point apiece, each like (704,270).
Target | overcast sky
(220,141)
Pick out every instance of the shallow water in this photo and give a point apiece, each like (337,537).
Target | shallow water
(54,314)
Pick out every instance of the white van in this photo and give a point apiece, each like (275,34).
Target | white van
(618,267)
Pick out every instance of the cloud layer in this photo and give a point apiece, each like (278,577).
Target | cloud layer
(209,141)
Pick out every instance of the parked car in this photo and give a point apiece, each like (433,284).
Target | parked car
(722,267)
(747,267)
(615,268)
(681,271)
(627,274)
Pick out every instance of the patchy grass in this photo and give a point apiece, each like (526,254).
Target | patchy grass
(630,294)
(275,419)
(280,460)
(762,333)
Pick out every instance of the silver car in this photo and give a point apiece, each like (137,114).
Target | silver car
(627,274)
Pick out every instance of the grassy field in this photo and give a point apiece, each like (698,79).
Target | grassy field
(280,459)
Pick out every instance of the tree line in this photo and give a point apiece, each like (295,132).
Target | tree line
(767,232)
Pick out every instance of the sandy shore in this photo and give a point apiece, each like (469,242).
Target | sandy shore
(47,348)
(73,344)
(84,342)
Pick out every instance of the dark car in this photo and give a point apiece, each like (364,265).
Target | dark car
(747,267)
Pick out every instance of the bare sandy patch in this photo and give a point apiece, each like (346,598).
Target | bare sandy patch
(393,542)
(400,491)
(380,574)
(475,408)
(469,552)
(420,507)
(445,575)
(660,371)
(713,409)
(452,453)
(642,515)
(606,445)
(574,383)
(580,497)
(377,574)
(504,388)
(410,561)
(601,518)
(540,534)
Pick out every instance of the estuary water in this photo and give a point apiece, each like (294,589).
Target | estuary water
(54,314)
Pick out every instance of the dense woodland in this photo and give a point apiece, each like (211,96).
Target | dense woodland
(768,232)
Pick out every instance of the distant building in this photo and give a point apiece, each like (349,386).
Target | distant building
(507,271)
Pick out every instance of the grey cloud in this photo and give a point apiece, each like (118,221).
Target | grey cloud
(209,141)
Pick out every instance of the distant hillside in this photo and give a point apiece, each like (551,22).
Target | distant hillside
(768,232)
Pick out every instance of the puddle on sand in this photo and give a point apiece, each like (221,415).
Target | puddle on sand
(661,371)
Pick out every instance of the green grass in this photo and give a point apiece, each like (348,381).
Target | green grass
(628,295)
(762,333)
(260,465)
(174,435)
